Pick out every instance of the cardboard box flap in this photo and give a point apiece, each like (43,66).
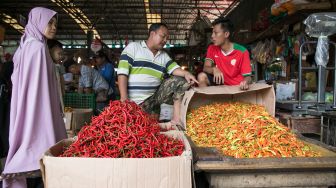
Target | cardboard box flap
(229,89)
(262,94)
(54,151)
(80,117)
(58,148)
(180,135)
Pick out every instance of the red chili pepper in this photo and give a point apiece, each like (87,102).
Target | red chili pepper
(123,129)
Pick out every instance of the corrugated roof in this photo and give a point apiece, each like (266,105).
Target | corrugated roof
(116,20)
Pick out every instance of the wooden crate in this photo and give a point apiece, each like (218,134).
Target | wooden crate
(310,124)
(304,124)
(328,132)
(283,118)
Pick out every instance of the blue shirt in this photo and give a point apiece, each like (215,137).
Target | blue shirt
(91,78)
(107,71)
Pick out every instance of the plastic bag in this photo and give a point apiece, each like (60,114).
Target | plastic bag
(321,25)
(256,51)
(322,51)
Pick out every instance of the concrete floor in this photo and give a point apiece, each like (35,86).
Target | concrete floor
(2,163)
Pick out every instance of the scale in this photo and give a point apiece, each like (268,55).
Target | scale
(319,25)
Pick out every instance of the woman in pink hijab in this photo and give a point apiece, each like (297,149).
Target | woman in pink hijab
(36,121)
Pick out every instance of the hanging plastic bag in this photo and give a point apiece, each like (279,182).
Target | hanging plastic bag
(321,25)
(322,51)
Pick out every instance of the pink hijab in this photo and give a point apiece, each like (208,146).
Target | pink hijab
(36,121)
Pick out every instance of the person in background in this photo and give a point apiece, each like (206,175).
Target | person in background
(90,81)
(6,70)
(8,57)
(198,67)
(141,71)
(106,69)
(56,52)
(69,84)
(226,62)
(36,121)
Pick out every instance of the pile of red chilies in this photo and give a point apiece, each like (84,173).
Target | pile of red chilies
(123,130)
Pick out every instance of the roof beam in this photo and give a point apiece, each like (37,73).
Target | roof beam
(77,14)
(12,22)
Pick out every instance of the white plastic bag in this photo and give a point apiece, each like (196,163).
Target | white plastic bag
(321,25)
(322,51)
(166,112)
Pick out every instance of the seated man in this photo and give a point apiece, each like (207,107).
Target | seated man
(226,62)
(90,81)
(141,73)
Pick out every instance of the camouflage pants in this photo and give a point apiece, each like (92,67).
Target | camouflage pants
(171,89)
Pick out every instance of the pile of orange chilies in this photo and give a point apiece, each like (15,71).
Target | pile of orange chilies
(243,130)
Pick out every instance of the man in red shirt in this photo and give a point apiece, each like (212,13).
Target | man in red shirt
(226,62)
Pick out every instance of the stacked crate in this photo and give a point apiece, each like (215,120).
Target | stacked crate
(78,100)
(79,110)
(328,128)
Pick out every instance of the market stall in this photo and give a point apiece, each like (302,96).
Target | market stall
(224,171)
(278,130)
(122,147)
(238,166)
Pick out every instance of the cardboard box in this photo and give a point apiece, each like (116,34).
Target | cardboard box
(80,117)
(74,172)
(67,120)
(257,94)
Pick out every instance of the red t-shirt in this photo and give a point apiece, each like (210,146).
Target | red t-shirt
(234,65)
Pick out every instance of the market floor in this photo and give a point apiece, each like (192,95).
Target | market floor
(32,183)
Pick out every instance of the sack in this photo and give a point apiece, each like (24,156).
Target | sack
(101,96)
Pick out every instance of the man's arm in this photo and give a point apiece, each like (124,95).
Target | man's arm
(244,85)
(210,69)
(246,71)
(80,90)
(187,75)
(124,69)
(85,89)
(122,85)
(88,90)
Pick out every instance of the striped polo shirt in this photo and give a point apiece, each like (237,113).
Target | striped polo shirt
(144,70)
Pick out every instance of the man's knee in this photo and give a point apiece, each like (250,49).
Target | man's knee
(178,85)
(202,77)
(177,81)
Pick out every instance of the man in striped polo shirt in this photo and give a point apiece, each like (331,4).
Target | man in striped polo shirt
(141,71)
(226,62)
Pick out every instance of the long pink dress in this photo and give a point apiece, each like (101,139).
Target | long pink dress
(36,121)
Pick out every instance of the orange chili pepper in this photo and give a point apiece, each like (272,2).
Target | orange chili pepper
(243,130)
